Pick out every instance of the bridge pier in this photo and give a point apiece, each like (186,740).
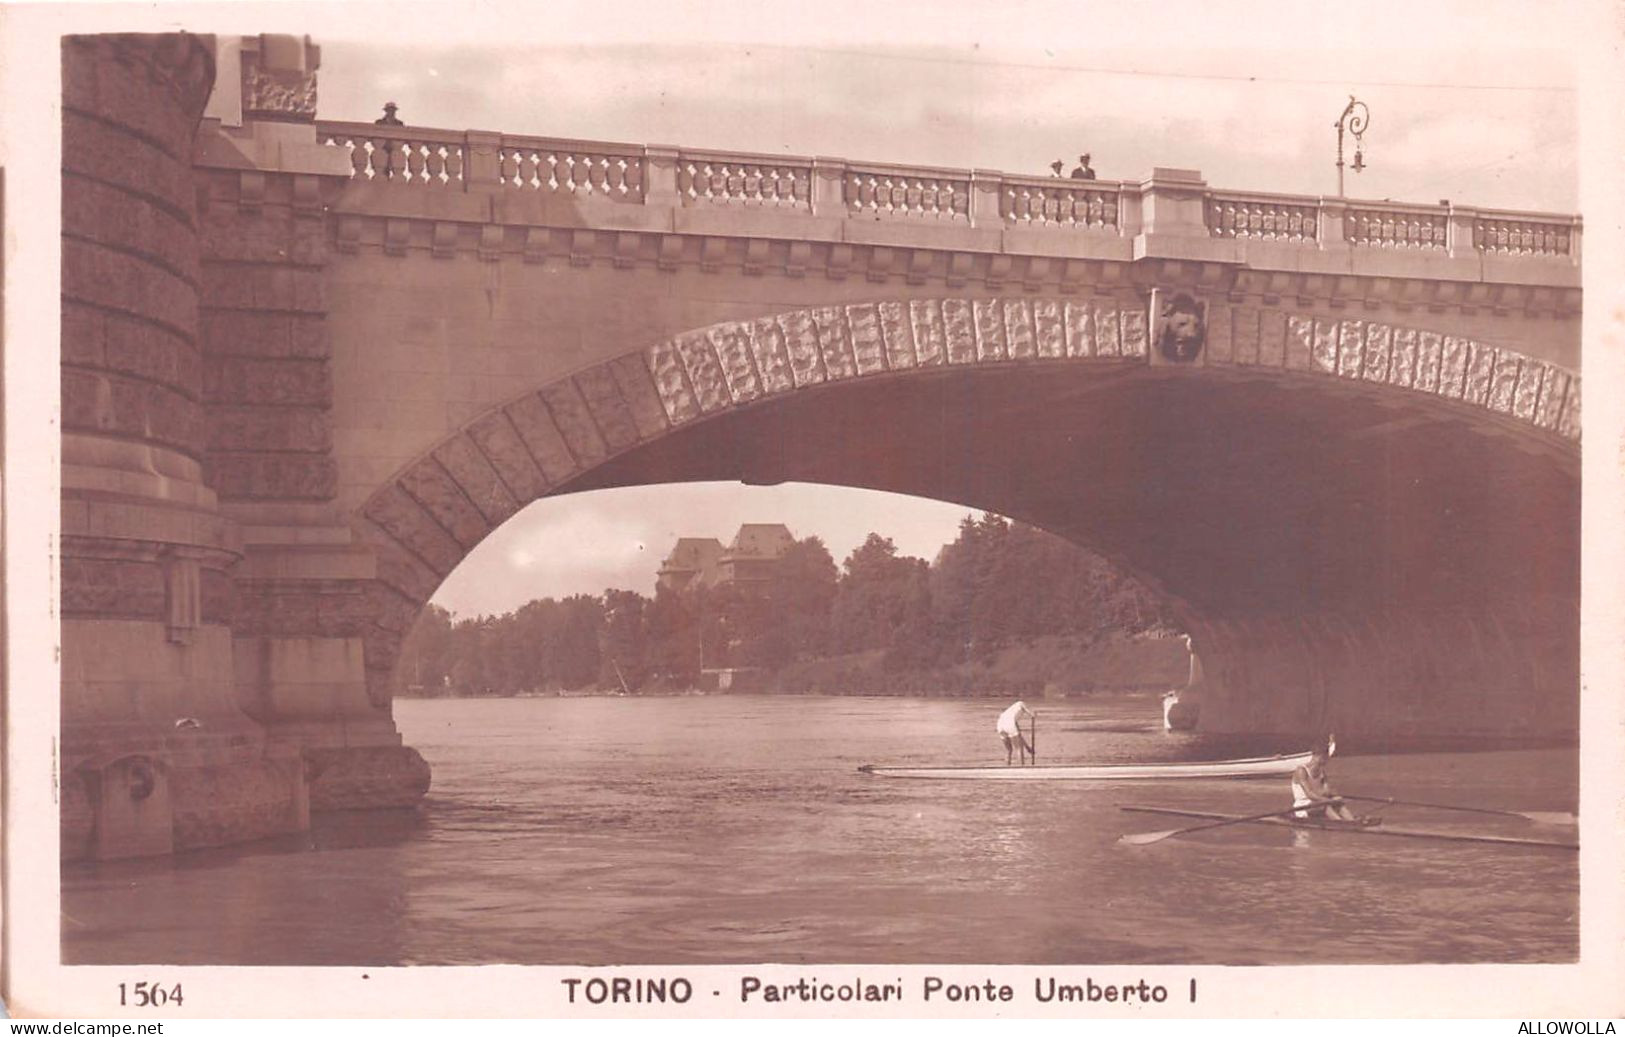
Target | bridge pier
(213,604)
(1471,674)
(156,753)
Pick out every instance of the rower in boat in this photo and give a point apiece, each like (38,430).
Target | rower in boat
(1313,793)
(1009,728)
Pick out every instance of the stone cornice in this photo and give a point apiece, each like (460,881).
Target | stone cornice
(1368,282)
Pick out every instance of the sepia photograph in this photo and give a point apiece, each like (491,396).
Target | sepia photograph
(1083,487)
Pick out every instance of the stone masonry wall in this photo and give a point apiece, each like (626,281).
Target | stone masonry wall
(266,377)
(156,755)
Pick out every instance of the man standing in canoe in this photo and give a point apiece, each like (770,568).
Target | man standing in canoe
(1009,728)
(1312,792)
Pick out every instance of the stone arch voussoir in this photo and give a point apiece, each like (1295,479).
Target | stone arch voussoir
(426,518)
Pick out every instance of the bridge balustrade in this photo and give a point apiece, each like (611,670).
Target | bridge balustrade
(620,173)
(724,178)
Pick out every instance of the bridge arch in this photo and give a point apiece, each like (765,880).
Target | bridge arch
(1209,476)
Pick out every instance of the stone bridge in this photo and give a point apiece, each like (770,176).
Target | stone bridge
(308,366)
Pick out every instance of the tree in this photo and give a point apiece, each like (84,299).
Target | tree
(874,596)
(576,654)
(425,653)
(800,595)
(672,626)
(625,641)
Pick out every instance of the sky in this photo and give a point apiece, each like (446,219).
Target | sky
(1474,102)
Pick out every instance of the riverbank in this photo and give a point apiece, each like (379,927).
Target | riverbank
(1046,667)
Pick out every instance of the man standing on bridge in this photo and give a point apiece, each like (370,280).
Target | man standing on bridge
(1009,728)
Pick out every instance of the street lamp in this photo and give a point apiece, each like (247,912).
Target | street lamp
(1354,120)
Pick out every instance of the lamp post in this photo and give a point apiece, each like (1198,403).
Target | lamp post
(1356,116)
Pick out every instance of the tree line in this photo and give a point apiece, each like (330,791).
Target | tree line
(998,583)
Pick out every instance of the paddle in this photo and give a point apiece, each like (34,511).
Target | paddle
(1147,838)
(1541,817)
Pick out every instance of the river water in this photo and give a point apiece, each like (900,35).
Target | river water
(737,829)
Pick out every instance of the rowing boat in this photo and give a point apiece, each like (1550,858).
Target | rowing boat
(1336,826)
(1259,766)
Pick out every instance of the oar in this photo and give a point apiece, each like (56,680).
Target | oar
(1147,838)
(1543,817)
(1035,739)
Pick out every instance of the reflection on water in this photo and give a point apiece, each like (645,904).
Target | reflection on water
(737,829)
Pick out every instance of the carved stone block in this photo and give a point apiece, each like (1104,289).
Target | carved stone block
(897,331)
(801,345)
(732,344)
(404,519)
(1402,363)
(930,333)
(671,382)
(609,412)
(1553,388)
(1569,423)
(1378,345)
(1020,341)
(1135,339)
(575,422)
(534,422)
(1452,367)
(396,566)
(868,342)
(772,358)
(499,441)
(479,481)
(1429,346)
(1350,348)
(441,497)
(834,346)
(990,342)
(638,390)
(704,372)
(1504,381)
(1049,328)
(1323,353)
(1108,337)
(1480,370)
(959,328)
(1080,329)
(1526,394)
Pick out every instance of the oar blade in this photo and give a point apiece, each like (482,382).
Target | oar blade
(1550,817)
(1147,838)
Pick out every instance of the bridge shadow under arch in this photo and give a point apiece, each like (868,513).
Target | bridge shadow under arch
(1349,550)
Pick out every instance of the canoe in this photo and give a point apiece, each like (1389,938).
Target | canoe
(1338,826)
(1258,766)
